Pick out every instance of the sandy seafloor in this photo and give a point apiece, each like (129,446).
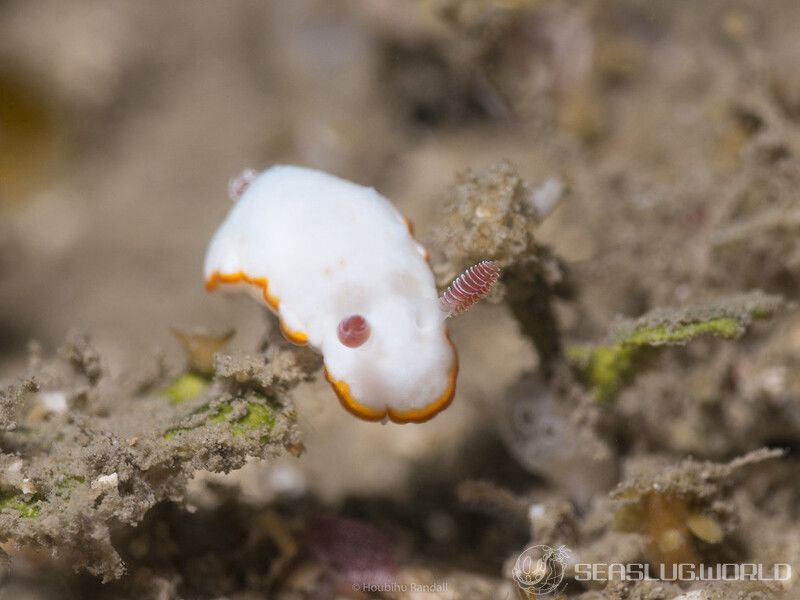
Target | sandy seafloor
(666,136)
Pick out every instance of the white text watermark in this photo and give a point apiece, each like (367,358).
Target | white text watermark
(543,570)
(419,588)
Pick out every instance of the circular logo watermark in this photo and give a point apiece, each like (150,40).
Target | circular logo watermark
(540,569)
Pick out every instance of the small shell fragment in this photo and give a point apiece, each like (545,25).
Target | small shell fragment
(105,482)
(54,401)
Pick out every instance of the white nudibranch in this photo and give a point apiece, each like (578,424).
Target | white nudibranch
(340,268)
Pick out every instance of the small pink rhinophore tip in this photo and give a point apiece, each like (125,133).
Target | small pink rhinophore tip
(353,331)
(469,287)
(238,185)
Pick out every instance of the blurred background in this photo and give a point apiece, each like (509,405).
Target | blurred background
(122,122)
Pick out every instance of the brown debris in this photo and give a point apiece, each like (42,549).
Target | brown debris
(10,399)
(681,507)
(92,471)
(491,215)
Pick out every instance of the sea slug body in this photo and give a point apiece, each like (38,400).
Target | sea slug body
(338,265)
